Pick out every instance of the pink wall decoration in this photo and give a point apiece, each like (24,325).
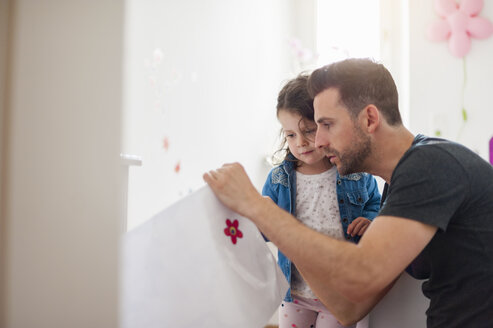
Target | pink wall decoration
(458,23)
(166,143)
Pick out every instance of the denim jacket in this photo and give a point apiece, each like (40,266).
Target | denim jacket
(357,195)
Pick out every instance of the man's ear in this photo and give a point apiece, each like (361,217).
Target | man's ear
(371,118)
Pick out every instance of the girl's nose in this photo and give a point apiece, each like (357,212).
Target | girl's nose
(301,141)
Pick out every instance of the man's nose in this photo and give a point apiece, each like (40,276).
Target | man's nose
(320,140)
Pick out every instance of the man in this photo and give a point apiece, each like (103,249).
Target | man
(438,214)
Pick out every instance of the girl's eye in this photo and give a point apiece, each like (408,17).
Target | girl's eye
(311,131)
(290,135)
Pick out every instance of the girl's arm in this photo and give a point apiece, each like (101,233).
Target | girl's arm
(372,207)
(268,191)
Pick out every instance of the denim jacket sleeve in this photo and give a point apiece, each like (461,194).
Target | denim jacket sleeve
(268,190)
(372,207)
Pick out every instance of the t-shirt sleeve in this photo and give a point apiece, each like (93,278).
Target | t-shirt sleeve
(428,185)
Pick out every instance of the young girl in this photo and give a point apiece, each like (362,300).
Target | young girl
(309,187)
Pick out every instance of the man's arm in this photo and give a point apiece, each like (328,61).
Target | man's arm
(359,273)
(345,311)
(351,287)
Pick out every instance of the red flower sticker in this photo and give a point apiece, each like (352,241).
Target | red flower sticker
(232,230)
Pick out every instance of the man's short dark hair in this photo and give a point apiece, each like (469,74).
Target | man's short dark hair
(360,82)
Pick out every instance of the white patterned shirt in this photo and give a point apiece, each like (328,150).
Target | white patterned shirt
(318,209)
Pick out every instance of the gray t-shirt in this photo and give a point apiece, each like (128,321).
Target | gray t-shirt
(446,185)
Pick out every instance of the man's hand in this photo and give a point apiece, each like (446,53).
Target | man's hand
(358,226)
(233,188)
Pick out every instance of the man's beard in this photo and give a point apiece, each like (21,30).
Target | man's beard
(351,161)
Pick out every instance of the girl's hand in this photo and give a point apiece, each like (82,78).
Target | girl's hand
(358,226)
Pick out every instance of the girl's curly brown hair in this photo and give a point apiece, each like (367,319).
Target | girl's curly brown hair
(293,98)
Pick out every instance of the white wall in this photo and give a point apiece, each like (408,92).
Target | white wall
(394,48)
(404,306)
(62,205)
(436,79)
(205,75)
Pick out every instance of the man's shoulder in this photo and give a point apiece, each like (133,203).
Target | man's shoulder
(432,144)
(438,153)
(433,162)
(421,140)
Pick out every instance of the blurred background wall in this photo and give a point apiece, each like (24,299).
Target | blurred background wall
(61,205)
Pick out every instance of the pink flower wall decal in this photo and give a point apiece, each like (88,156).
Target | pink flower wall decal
(166,143)
(459,22)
